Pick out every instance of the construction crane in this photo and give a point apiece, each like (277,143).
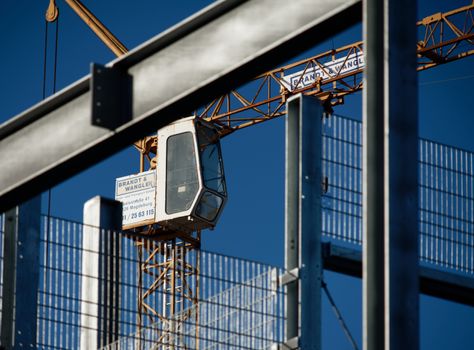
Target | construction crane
(329,76)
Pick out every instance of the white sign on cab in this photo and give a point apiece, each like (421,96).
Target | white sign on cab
(137,194)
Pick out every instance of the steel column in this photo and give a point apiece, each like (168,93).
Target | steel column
(100,294)
(390,263)
(9,267)
(303,220)
(373,178)
(292,223)
(21,275)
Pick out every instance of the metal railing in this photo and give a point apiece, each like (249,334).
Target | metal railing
(446,195)
(240,303)
(446,223)
(244,316)
(342,167)
(59,295)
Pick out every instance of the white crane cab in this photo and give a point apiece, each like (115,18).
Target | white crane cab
(190,183)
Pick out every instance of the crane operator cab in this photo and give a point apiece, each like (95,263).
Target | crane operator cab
(191,189)
(187,190)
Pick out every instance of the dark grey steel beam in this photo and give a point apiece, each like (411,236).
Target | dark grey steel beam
(373,169)
(434,282)
(210,53)
(390,177)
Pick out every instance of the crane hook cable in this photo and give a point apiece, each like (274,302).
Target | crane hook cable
(339,317)
(55,65)
(51,16)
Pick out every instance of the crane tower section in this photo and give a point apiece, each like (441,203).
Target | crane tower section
(183,193)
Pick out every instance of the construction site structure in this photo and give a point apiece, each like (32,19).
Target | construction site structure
(329,76)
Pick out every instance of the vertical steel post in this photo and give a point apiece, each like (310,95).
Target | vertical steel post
(292,222)
(390,178)
(303,220)
(401,186)
(373,177)
(100,295)
(9,268)
(21,275)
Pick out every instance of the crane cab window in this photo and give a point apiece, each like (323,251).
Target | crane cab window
(211,159)
(182,182)
(209,206)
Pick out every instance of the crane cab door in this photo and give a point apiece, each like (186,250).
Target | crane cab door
(191,190)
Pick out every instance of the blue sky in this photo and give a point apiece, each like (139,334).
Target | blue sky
(252,223)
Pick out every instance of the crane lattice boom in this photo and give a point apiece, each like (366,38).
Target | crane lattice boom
(330,76)
(444,37)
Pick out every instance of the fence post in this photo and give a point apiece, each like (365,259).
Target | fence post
(100,291)
(303,222)
(21,275)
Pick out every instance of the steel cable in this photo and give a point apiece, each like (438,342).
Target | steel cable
(339,317)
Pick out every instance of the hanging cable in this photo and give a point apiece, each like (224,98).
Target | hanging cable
(343,324)
(45,56)
(56,40)
(55,65)
(51,16)
(48,224)
(424,83)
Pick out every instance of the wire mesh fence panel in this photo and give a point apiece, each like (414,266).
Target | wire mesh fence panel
(243,314)
(211,301)
(239,307)
(59,294)
(446,181)
(129,287)
(446,195)
(342,167)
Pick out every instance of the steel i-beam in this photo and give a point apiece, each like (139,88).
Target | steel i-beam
(174,73)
